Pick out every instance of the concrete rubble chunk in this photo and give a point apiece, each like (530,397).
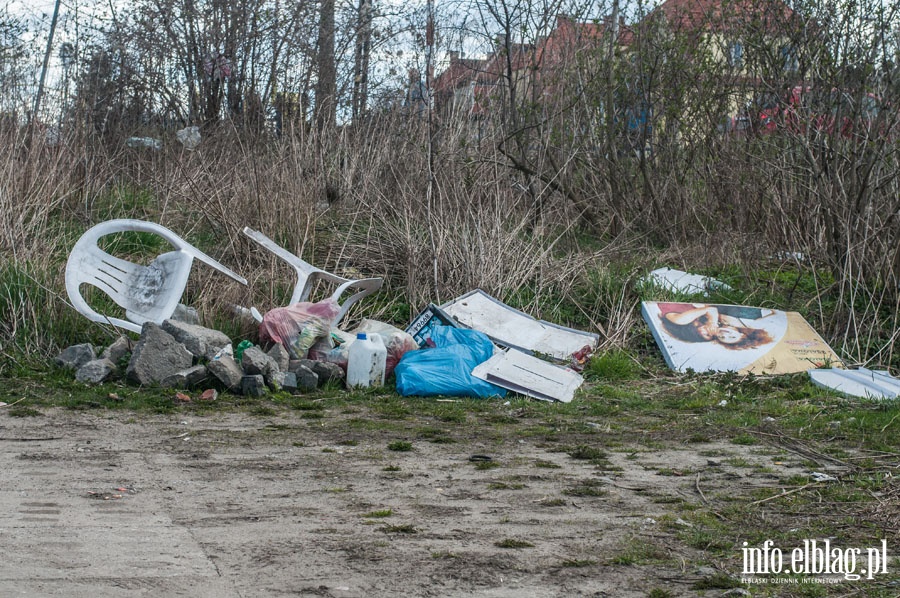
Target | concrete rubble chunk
(307,380)
(255,361)
(325,370)
(200,341)
(253,385)
(280,356)
(186,314)
(156,356)
(96,371)
(275,380)
(188,378)
(227,371)
(76,356)
(289,384)
(121,347)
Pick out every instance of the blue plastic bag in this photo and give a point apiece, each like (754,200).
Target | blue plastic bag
(447,368)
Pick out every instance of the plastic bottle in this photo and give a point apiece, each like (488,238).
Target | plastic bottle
(366,361)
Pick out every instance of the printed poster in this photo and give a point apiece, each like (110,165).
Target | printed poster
(724,338)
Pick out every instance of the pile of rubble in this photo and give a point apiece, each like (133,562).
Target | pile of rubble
(183,355)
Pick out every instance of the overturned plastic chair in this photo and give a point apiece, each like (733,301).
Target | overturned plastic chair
(147,293)
(308,275)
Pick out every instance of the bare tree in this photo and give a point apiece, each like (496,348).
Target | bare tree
(326,76)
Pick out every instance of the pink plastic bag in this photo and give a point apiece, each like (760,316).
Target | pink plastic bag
(298,326)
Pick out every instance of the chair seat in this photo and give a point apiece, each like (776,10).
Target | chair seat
(147,293)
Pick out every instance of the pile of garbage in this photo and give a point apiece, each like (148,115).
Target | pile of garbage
(474,346)
(184,355)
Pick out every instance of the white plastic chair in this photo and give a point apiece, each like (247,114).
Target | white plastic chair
(307,275)
(147,293)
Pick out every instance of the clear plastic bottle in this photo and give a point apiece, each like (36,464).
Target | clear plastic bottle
(366,361)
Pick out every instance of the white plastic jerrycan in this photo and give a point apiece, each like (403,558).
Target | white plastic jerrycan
(366,361)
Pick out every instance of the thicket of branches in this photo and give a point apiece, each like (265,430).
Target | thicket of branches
(309,135)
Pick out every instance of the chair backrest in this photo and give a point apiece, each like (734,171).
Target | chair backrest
(147,293)
(307,275)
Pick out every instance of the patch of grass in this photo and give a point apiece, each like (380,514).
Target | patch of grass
(739,462)
(553,502)
(717,581)
(613,365)
(485,465)
(391,408)
(400,446)
(586,488)
(379,514)
(23,411)
(542,464)
(306,405)
(583,452)
(263,411)
(639,552)
(443,554)
(391,468)
(660,593)
(744,439)
(513,543)
(505,486)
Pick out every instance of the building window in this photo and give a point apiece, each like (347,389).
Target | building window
(736,54)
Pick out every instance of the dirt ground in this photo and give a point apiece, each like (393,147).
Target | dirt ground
(110,503)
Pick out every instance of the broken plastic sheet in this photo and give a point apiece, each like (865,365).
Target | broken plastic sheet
(862,383)
(678,281)
(530,376)
(515,329)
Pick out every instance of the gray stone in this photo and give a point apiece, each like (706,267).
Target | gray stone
(200,341)
(186,314)
(96,371)
(188,378)
(275,380)
(75,356)
(118,350)
(227,371)
(327,371)
(307,379)
(289,384)
(280,356)
(293,364)
(255,361)
(156,356)
(253,385)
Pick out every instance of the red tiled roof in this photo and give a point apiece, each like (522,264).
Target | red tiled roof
(719,15)
(571,36)
(460,72)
